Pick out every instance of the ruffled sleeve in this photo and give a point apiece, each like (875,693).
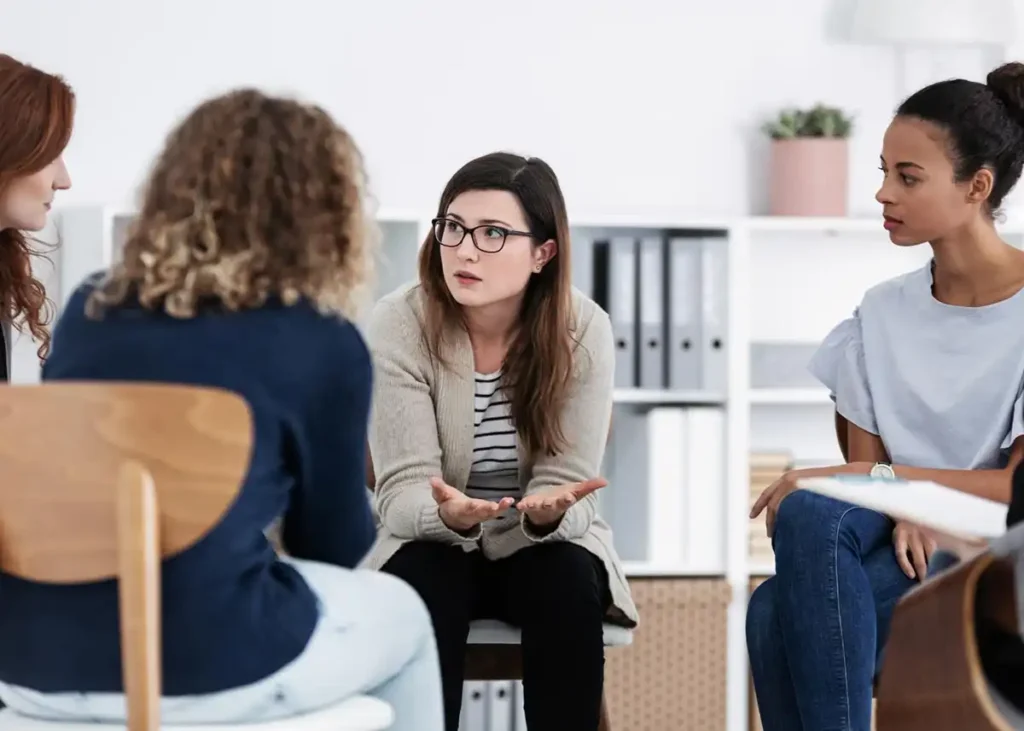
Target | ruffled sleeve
(1016,422)
(839,364)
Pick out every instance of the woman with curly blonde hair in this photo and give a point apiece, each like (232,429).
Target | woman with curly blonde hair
(242,271)
(37,112)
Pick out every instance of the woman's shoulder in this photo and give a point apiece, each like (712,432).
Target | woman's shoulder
(398,314)
(899,289)
(589,322)
(591,332)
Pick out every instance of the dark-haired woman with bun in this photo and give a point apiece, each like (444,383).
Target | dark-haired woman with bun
(36,115)
(927,378)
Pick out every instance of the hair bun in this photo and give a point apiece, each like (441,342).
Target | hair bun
(1007,82)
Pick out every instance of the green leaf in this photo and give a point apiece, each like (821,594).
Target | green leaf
(818,121)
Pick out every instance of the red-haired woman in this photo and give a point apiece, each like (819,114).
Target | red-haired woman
(36,114)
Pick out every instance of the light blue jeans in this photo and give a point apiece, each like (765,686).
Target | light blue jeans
(374,637)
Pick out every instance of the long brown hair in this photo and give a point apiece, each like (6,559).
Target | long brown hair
(253,197)
(539,365)
(36,117)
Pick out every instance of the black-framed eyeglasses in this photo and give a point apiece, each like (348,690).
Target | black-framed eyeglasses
(487,237)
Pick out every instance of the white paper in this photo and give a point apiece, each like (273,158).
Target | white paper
(927,504)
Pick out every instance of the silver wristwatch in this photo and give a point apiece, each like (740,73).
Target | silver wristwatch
(883,471)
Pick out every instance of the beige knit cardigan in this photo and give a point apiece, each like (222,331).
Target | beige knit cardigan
(421,426)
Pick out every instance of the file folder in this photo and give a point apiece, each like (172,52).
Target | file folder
(474,706)
(683,305)
(651,290)
(615,279)
(714,303)
(582,261)
(519,706)
(500,716)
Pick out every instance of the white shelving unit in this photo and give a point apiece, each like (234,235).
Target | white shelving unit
(789,282)
(789,396)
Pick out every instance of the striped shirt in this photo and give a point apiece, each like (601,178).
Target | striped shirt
(495,470)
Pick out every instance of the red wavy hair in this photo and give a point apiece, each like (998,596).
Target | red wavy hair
(36,117)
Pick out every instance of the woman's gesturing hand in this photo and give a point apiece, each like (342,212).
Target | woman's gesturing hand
(776,492)
(546,507)
(460,512)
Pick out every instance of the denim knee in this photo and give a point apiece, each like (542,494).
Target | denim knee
(806,524)
(762,621)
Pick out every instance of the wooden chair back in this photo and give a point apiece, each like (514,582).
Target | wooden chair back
(932,678)
(102,480)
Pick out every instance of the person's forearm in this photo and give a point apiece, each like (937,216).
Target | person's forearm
(990,484)
(868,448)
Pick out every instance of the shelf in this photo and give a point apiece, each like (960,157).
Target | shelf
(648,569)
(789,396)
(667,396)
(837,225)
(651,220)
(817,224)
(399,215)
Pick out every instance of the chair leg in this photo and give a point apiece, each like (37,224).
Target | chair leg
(606,720)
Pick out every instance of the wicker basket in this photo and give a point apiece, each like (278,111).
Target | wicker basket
(673,676)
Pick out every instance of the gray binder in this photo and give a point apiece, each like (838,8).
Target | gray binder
(474,706)
(685,293)
(500,711)
(651,324)
(615,291)
(714,301)
(583,260)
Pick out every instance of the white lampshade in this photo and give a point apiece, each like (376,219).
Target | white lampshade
(935,22)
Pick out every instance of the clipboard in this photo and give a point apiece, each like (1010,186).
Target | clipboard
(927,504)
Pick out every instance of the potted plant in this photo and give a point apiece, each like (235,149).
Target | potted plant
(809,161)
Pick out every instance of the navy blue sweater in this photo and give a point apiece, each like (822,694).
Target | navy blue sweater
(232,612)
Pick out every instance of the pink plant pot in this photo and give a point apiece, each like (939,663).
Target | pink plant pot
(808,177)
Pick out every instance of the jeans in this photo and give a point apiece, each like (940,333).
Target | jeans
(816,630)
(373,637)
(556,592)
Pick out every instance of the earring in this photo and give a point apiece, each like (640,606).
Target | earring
(538,268)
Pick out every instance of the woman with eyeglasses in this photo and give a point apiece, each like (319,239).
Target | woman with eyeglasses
(492,403)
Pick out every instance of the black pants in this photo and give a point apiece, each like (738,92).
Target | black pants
(557,593)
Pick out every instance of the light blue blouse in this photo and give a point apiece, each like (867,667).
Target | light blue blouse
(940,384)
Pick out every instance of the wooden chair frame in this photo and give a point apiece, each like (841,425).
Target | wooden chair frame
(932,678)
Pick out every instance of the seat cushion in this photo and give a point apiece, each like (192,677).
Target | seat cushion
(493,632)
(360,713)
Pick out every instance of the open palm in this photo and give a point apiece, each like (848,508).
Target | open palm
(547,506)
(459,511)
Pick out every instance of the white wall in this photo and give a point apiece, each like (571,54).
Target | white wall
(644,104)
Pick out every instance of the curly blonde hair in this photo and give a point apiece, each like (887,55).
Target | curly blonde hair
(253,197)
